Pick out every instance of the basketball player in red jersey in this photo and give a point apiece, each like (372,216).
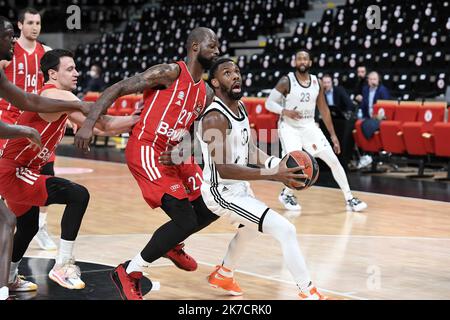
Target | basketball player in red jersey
(24,71)
(174,96)
(24,189)
(27,102)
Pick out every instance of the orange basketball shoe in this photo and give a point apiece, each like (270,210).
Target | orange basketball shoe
(216,280)
(311,293)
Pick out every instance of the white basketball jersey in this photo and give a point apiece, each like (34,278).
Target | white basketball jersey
(302,99)
(237,141)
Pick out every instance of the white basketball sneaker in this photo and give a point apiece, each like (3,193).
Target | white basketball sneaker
(356,205)
(44,240)
(21,285)
(289,201)
(67,275)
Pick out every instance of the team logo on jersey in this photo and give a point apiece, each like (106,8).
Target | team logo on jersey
(244,134)
(20,67)
(180,98)
(198,109)
(175,187)
(314,82)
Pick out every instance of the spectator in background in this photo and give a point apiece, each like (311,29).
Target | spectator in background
(371,92)
(94,81)
(361,73)
(337,98)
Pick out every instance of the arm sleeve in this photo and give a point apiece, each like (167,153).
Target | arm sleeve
(274,101)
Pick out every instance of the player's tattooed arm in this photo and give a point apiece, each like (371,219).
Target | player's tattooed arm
(32,102)
(107,125)
(162,75)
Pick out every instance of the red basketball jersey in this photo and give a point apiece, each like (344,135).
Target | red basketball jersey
(170,112)
(24,71)
(20,151)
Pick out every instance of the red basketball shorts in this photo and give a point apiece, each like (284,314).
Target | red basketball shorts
(181,181)
(21,187)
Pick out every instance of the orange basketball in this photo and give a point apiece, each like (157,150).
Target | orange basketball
(303,158)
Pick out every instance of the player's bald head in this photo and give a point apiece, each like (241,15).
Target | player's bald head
(5,24)
(203,46)
(199,35)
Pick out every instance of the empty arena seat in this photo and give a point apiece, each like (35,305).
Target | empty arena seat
(91,96)
(391,130)
(442,145)
(126,105)
(419,135)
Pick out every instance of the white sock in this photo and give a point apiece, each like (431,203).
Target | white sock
(228,273)
(42,219)
(137,264)
(304,285)
(65,252)
(4,293)
(13,271)
(337,170)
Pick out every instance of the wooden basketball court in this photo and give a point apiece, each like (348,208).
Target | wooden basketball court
(399,248)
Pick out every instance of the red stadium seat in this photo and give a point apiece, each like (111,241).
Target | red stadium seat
(267,128)
(419,136)
(391,130)
(263,121)
(385,108)
(442,144)
(250,105)
(91,96)
(126,105)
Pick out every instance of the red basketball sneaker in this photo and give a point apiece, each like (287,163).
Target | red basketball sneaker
(129,285)
(181,259)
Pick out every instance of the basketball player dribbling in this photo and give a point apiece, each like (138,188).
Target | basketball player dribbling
(227,147)
(24,71)
(295,98)
(27,102)
(174,96)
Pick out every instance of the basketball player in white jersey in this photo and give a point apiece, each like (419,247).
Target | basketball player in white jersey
(24,71)
(295,98)
(227,147)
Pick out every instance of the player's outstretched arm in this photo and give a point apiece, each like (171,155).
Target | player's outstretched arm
(162,75)
(107,125)
(33,102)
(8,131)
